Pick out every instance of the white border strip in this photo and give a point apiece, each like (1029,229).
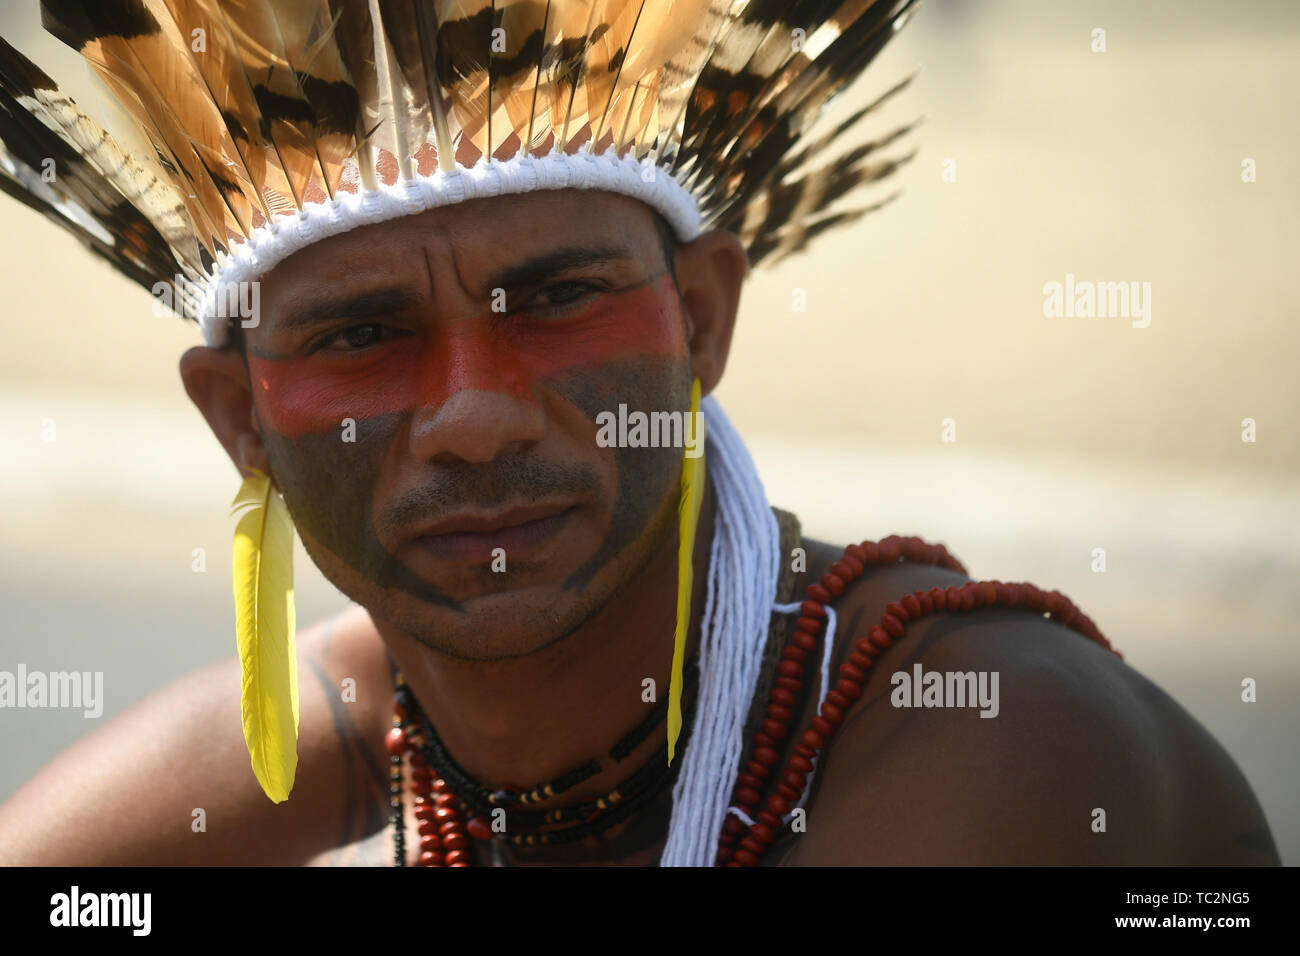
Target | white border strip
(271,244)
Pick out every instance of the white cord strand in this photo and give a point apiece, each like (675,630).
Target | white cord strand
(743,565)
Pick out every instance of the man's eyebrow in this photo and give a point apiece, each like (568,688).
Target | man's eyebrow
(557,260)
(362,305)
(388,300)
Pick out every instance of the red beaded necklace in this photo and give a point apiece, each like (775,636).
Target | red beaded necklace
(443,837)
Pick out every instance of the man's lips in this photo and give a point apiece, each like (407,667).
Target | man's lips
(470,537)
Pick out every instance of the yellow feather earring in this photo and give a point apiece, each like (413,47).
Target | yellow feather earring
(688,518)
(264,632)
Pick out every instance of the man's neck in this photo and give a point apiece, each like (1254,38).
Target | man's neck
(527,720)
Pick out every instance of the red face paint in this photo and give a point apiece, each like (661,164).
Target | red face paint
(510,353)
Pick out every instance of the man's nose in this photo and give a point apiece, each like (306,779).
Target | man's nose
(477,401)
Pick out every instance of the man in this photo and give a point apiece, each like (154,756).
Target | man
(532,678)
(474,439)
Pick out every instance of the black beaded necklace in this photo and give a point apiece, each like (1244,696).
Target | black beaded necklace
(526,827)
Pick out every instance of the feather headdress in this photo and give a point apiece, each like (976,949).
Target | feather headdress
(249,129)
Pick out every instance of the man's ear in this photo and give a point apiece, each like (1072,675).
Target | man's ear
(710,272)
(217,382)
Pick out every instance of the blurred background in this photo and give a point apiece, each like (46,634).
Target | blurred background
(1071,433)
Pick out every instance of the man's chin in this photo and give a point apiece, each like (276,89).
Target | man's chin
(509,621)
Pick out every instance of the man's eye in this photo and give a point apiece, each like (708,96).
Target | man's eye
(354,337)
(556,296)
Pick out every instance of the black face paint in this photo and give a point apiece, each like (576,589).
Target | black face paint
(646,476)
(330,485)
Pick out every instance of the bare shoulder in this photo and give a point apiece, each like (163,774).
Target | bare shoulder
(349,665)
(1000,737)
(172,779)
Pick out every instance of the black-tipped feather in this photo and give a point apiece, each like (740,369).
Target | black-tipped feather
(291,100)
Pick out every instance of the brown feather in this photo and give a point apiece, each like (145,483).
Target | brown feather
(293,100)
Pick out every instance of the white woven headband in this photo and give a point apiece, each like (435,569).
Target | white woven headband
(271,244)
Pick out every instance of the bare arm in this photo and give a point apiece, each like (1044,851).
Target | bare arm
(127,793)
(1078,731)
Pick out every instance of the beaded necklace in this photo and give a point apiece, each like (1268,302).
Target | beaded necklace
(444,840)
(445,794)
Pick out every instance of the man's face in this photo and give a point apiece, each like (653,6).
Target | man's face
(427,393)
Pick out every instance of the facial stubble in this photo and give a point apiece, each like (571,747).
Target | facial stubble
(330,489)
